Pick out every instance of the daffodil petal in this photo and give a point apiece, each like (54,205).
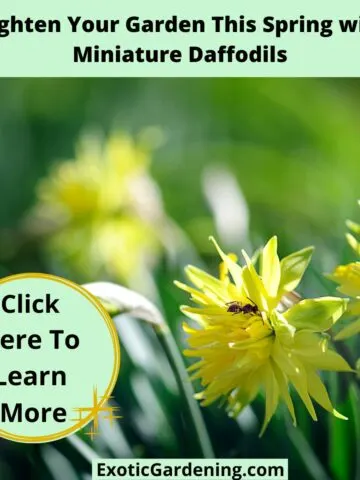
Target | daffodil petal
(354,244)
(352,329)
(348,289)
(319,393)
(318,314)
(284,391)
(348,277)
(285,332)
(292,269)
(354,306)
(270,267)
(354,227)
(223,268)
(271,395)
(198,318)
(195,366)
(300,383)
(196,295)
(234,268)
(328,360)
(253,284)
(204,281)
(243,395)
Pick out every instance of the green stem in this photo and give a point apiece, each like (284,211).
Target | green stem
(306,453)
(171,350)
(354,400)
(343,349)
(118,300)
(83,448)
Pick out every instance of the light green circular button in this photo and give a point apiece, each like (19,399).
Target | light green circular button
(59,358)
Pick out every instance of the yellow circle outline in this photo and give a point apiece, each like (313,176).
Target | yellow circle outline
(115,340)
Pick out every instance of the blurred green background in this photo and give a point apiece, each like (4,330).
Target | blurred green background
(239,158)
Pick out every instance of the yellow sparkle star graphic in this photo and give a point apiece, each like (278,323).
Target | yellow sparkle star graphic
(97,409)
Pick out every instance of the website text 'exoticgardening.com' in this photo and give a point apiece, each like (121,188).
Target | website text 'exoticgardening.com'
(151,469)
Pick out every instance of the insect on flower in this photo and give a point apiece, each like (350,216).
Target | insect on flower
(235,307)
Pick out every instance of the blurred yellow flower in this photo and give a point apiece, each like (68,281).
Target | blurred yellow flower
(352,240)
(245,340)
(348,278)
(102,211)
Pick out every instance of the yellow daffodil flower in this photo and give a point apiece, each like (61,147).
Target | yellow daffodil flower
(247,342)
(101,210)
(352,240)
(348,278)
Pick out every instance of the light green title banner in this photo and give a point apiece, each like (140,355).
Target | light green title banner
(183,39)
(180,469)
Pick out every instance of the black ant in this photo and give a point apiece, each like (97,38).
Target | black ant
(235,307)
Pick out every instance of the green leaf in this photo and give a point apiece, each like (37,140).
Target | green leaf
(292,269)
(354,396)
(306,452)
(316,314)
(119,299)
(341,436)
